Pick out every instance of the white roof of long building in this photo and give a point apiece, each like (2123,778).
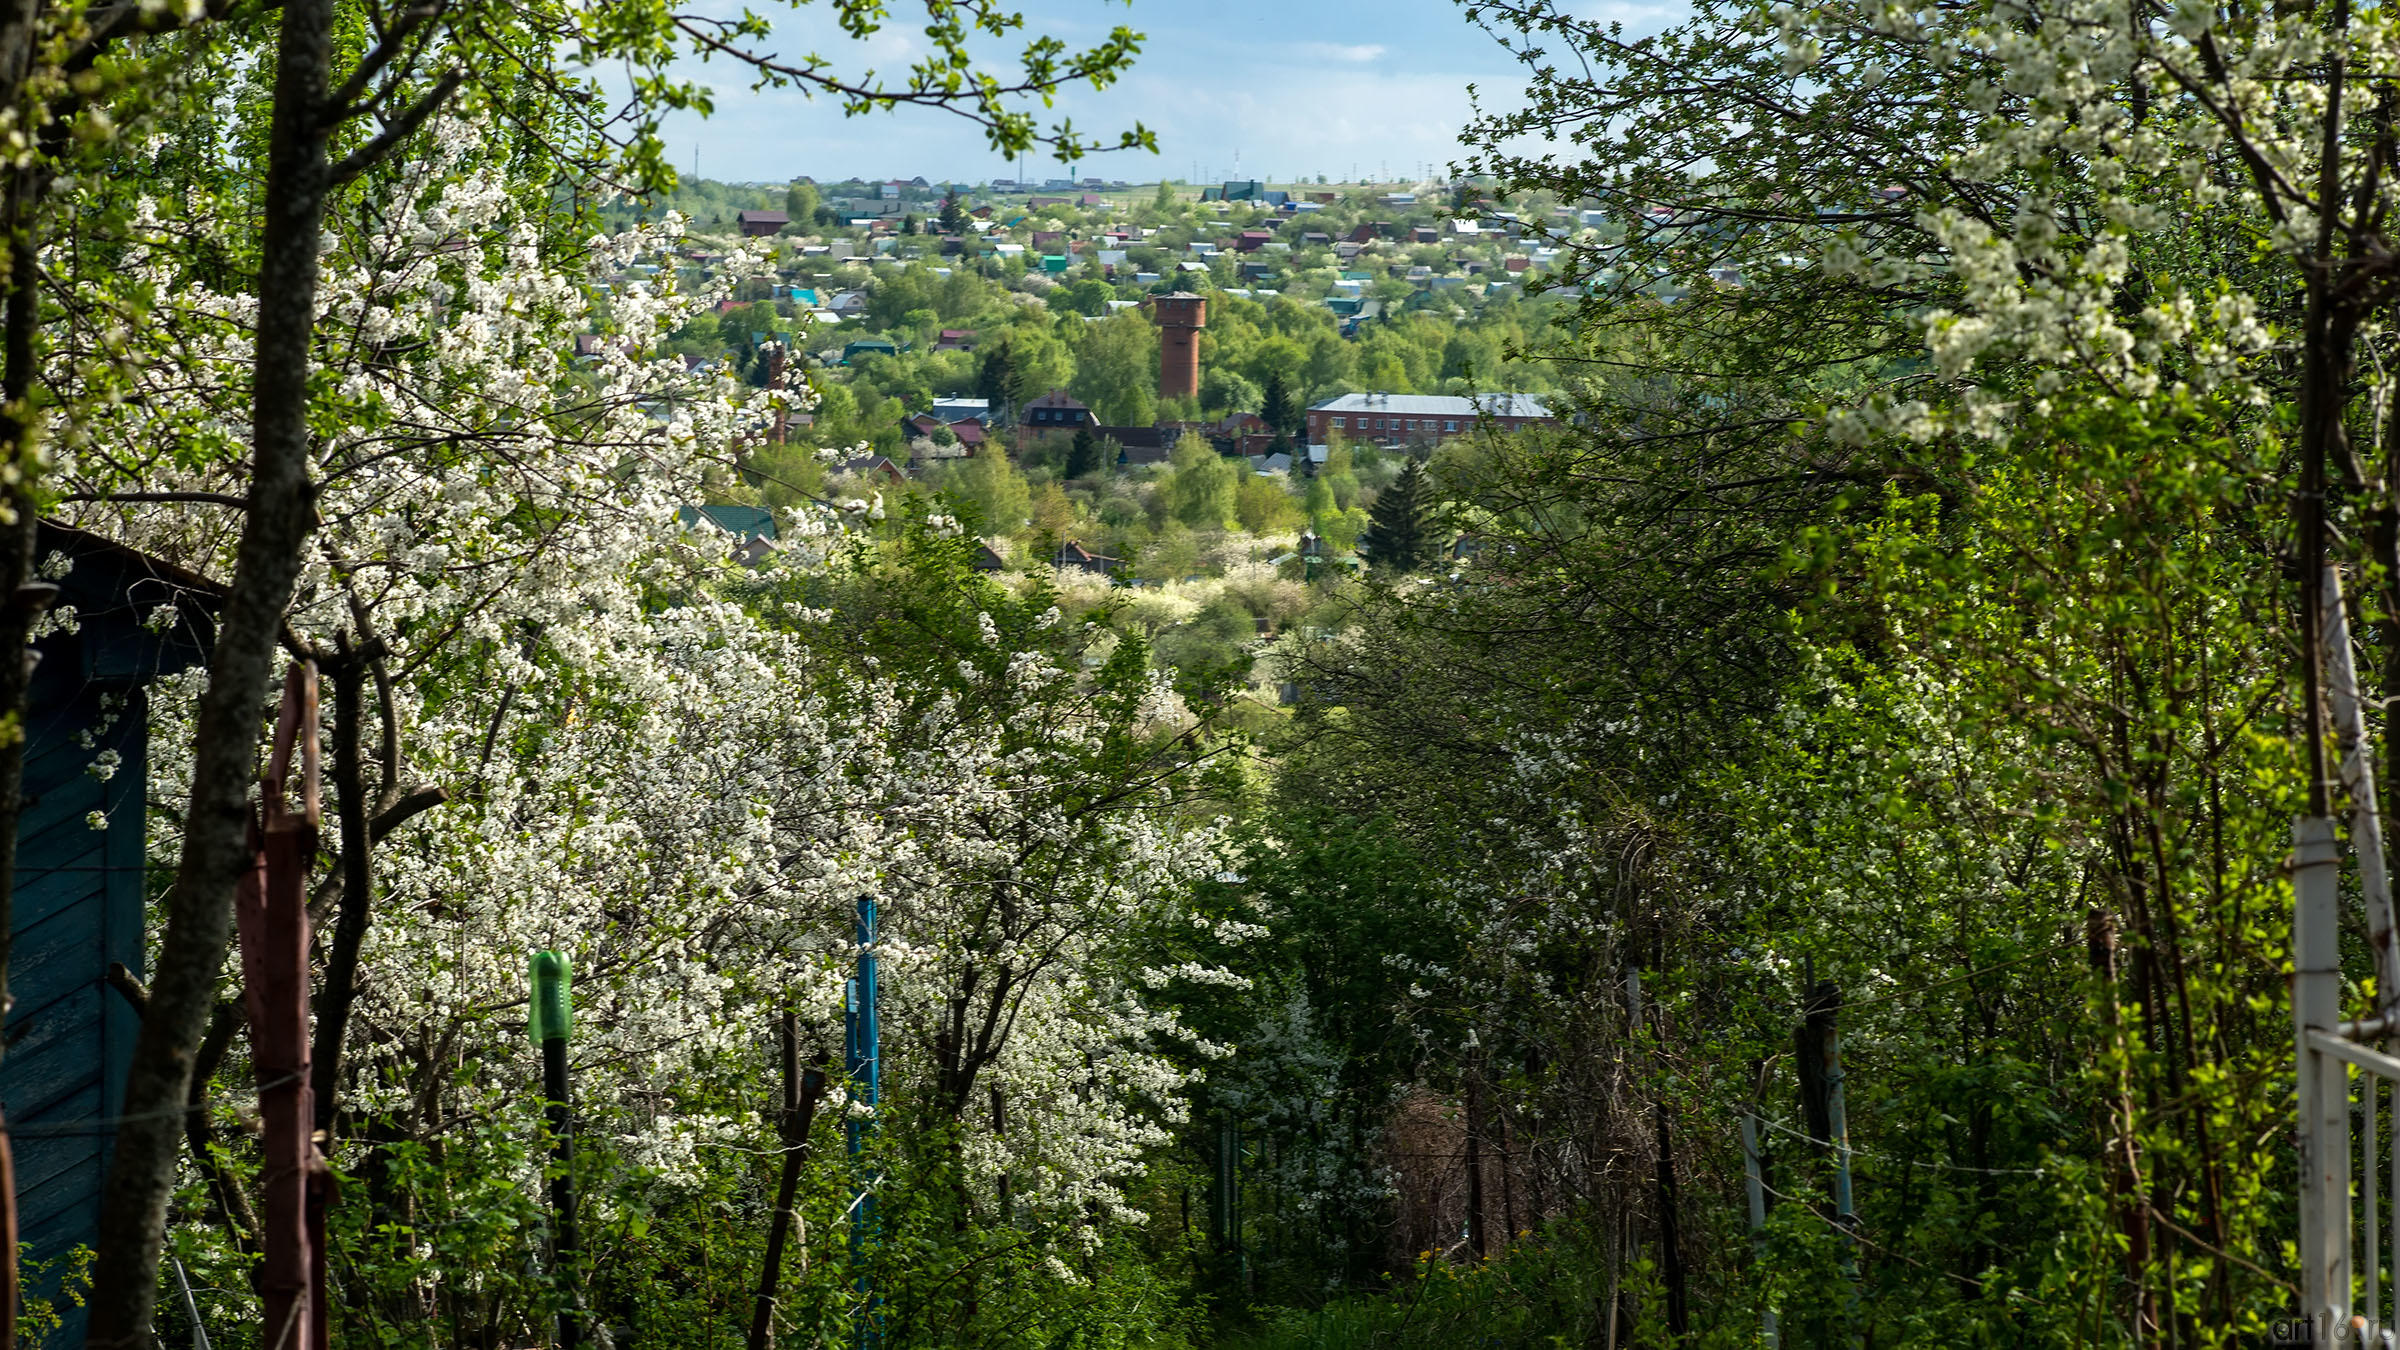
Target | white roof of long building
(1436,405)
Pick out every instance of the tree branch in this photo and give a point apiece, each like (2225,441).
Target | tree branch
(397,130)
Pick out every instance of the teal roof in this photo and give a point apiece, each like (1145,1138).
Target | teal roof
(744,522)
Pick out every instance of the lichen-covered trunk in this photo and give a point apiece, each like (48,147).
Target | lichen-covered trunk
(279,515)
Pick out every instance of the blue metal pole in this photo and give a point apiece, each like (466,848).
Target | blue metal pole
(864,1061)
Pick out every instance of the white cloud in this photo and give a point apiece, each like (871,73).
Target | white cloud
(1639,16)
(1357,54)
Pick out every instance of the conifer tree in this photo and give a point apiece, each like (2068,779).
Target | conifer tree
(1280,411)
(1083,457)
(1404,529)
(994,375)
(953,217)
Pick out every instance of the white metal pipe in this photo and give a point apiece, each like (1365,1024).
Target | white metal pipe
(2370,1255)
(2351,1052)
(1754,1180)
(2324,1096)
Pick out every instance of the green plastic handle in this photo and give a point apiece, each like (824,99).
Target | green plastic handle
(551,1005)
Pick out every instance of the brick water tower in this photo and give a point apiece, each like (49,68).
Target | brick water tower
(1180,317)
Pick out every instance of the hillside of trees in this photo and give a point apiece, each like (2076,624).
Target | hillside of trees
(1799,852)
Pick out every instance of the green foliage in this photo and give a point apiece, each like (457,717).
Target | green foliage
(50,1290)
(1227,391)
(1263,505)
(1199,490)
(1022,364)
(1339,472)
(988,490)
(1088,297)
(1213,642)
(1537,1294)
(1116,369)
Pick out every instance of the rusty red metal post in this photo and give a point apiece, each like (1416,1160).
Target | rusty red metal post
(10,1282)
(271,913)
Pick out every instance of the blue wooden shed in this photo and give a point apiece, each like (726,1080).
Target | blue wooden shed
(80,888)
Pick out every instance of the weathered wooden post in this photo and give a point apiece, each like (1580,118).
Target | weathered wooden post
(552,1021)
(271,915)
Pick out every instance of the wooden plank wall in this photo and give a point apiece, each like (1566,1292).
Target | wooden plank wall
(80,895)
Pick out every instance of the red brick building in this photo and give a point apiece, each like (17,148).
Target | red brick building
(1399,419)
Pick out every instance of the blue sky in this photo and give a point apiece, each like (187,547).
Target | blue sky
(1290,88)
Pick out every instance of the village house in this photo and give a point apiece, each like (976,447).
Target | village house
(1399,419)
(761,224)
(750,530)
(969,433)
(874,468)
(1056,411)
(1075,555)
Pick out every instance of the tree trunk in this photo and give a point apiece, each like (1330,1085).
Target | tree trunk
(1670,1237)
(1476,1241)
(20,599)
(358,880)
(800,1095)
(275,526)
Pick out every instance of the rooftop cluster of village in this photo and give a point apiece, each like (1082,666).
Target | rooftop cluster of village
(1157,382)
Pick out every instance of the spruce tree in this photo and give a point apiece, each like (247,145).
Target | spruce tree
(993,375)
(1281,412)
(1277,408)
(1083,457)
(1404,526)
(954,217)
